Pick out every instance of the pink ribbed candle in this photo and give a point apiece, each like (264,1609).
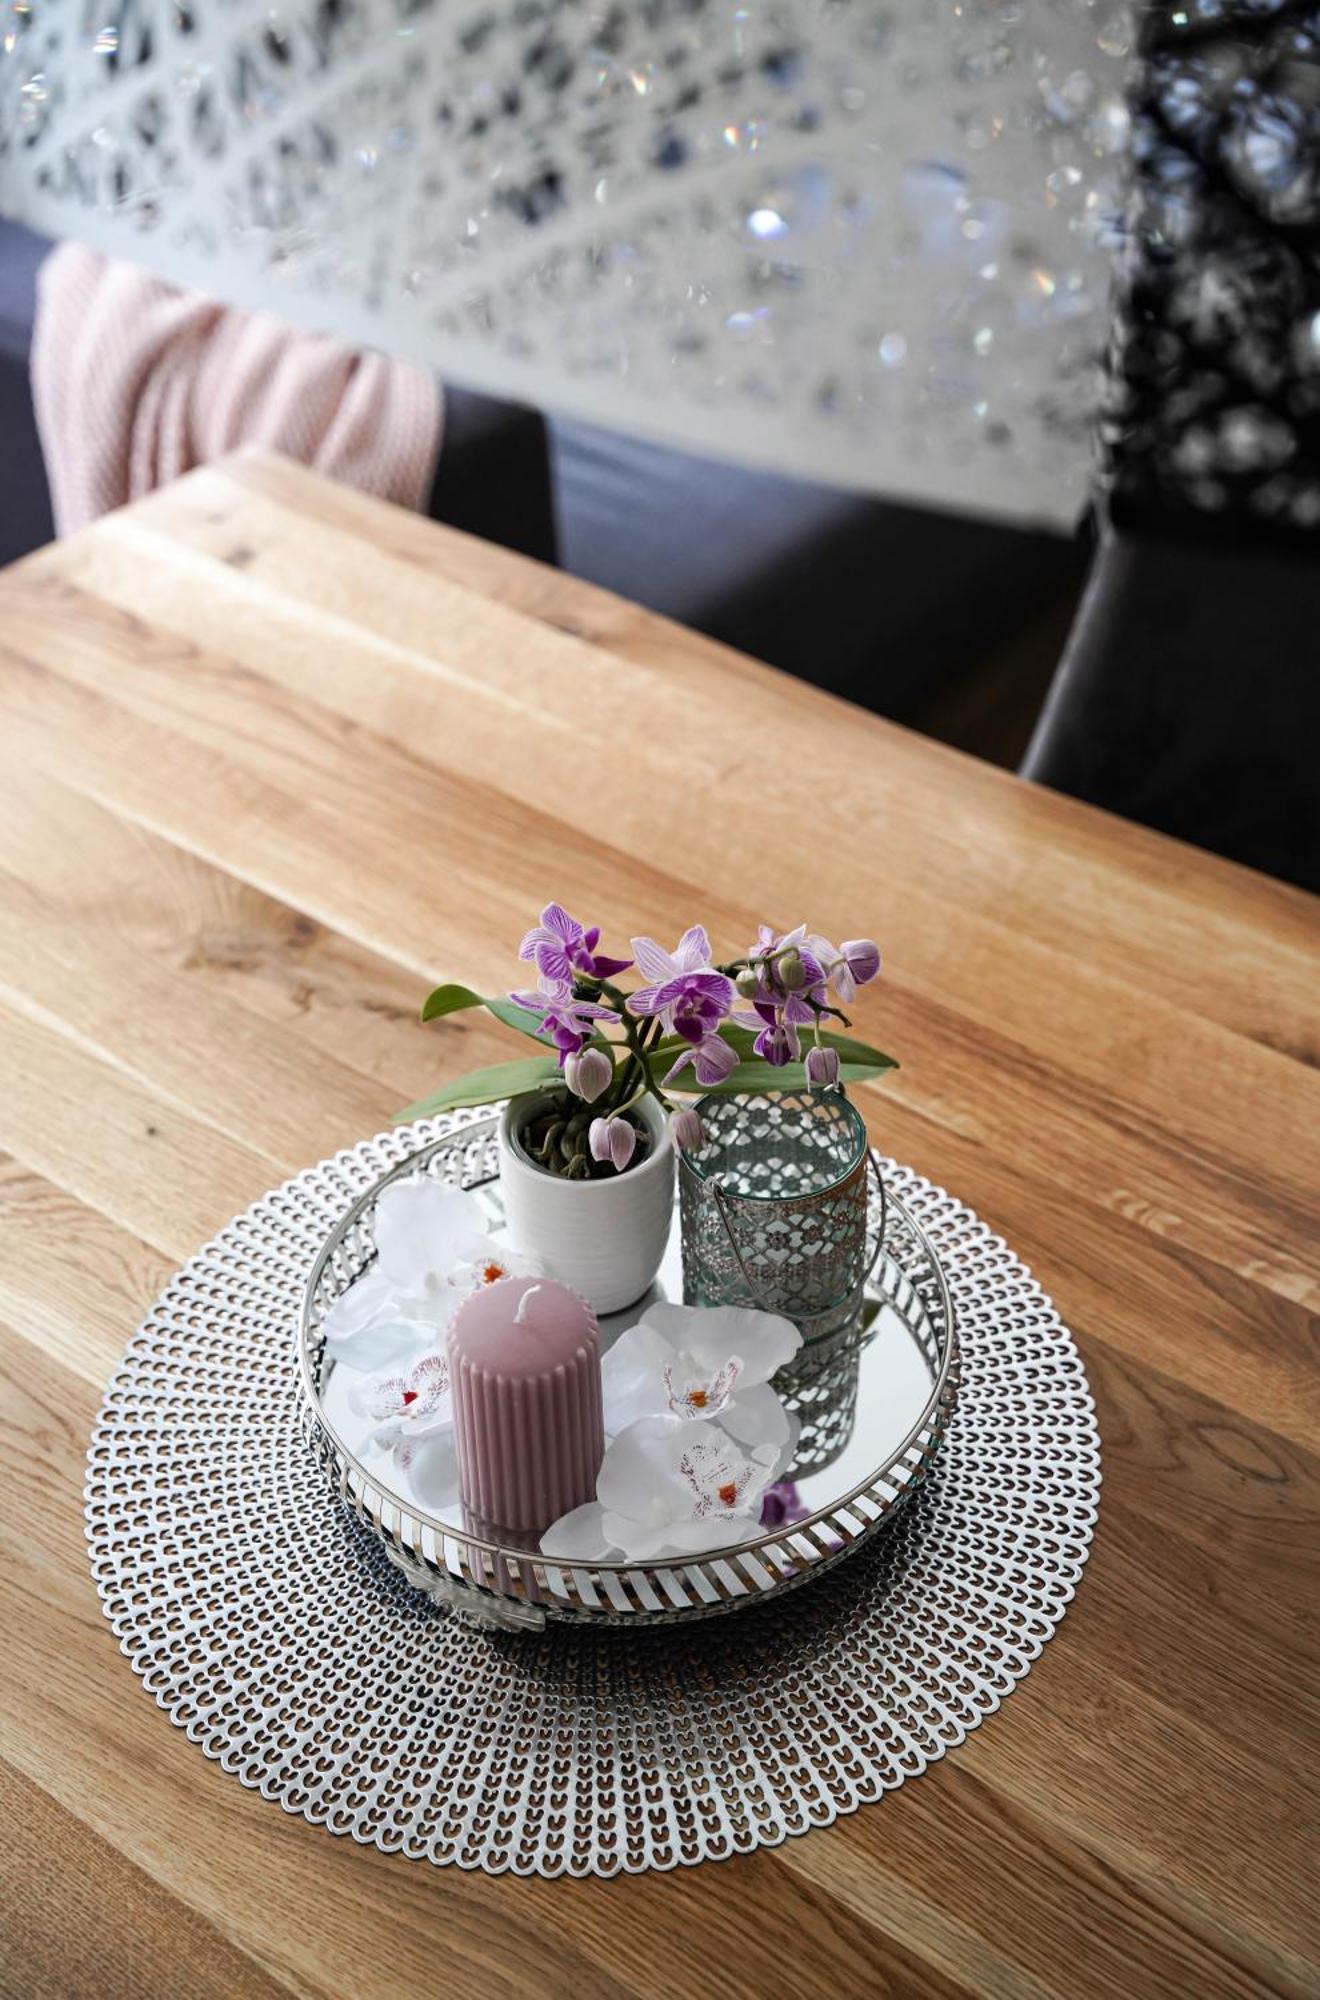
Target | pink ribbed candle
(524,1360)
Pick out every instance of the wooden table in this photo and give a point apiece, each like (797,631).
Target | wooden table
(274,758)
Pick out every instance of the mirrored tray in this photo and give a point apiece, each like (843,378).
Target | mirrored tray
(873,1403)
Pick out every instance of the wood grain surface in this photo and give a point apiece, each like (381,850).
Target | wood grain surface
(272,758)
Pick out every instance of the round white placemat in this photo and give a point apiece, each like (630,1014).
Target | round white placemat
(275,1631)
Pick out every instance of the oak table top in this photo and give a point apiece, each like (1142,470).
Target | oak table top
(274,758)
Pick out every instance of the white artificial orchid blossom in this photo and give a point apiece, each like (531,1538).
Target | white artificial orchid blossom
(702,1362)
(406,1406)
(696,1432)
(668,1486)
(700,1395)
(433,1246)
(414,1419)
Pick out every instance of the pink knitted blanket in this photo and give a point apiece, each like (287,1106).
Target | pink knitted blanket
(135,382)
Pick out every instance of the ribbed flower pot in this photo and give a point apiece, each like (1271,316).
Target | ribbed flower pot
(605,1237)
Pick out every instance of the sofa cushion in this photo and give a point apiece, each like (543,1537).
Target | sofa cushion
(885,604)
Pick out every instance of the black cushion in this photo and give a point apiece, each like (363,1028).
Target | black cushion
(1189,696)
(25,516)
(879,602)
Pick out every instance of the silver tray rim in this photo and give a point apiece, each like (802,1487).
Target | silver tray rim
(517,1587)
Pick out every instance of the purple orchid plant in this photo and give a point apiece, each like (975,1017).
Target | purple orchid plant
(761,1021)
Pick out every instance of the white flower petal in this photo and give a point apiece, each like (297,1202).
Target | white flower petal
(693,1391)
(488,1263)
(579,1536)
(426,1403)
(470,1246)
(639,1476)
(764,1341)
(433,1424)
(693,951)
(652,960)
(365,1301)
(756,1416)
(388,1344)
(669,1322)
(632,1377)
(378,1396)
(713,1531)
(638,1543)
(782,1468)
(419,1228)
(430,1466)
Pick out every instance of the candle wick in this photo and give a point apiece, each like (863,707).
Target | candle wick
(532,1292)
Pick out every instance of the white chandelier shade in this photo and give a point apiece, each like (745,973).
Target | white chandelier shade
(867,244)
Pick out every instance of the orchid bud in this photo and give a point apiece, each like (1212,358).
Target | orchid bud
(790,971)
(587,1073)
(612,1139)
(687,1130)
(748,982)
(822,1068)
(862,957)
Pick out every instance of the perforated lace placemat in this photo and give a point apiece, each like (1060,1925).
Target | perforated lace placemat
(274,1630)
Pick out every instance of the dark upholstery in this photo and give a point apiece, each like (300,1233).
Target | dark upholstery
(882,603)
(492,477)
(1189,697)
(25,518)
(1189,692)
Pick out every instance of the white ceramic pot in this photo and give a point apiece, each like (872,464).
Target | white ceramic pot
(606,1238)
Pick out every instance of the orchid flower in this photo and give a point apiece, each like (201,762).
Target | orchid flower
(406,1406)
(712,1059)
(777,1039)
(563,951)
(847,966)
(568,1023)
(414,1418)
(667,1487)
(433,1245)
(588,1072)
(781,960)
(696,1434)
(703,1363)
(612,1139)
(687,993)
(686,1128)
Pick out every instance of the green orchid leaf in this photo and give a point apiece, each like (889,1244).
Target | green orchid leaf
(449,1000)
(743,1040)
(453,999)
(755,1076)
(852,1051)
(849,1050)
(484,1086)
